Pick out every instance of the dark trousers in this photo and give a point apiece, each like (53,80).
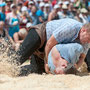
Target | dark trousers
(29,46)
(36,66)
(87,59)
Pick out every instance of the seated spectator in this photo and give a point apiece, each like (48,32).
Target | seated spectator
(8,10)
(40,12)
(2,11)
(30,4)
(19,6)
(47,11)
(13,20)
(54,13)
(19,37)
(63,57)
(64,12)
(34,17)
(25,17)
(83,15)
(2,30)
(77,16)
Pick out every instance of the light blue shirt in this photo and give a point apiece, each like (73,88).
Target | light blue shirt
(64,30)
(70,52)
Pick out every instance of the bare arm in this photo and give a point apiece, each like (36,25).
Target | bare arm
(49,45)
(50,17)
(16,38)
(40,19)
(81,60)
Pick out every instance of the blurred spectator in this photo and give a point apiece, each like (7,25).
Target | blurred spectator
(9,2)
(64,12)
(2,11)
(25,17)
(40,12)
(2,30)
(34,17)
(30,4)
(19,6)
(54,13)
(47,11)
(13,20)
(19,37)
(83,15)
(37,3)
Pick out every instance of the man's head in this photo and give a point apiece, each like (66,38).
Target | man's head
(84,34)
(56,63)
(62,57)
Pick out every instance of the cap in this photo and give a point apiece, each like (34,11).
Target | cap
(64,6)
(41,4)
(56,6)
(24,8)
(28,25)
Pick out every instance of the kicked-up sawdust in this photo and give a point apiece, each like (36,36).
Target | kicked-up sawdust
(9,81)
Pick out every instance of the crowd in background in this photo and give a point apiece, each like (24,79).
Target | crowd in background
(17,16)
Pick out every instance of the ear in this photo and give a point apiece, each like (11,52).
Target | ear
(83,30)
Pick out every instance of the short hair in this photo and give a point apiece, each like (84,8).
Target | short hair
(23,31)
(87,26)
(72,70)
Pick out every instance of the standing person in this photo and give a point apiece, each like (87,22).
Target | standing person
(13,21)
(52,33)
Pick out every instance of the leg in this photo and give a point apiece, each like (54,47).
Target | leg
(30,44)
(36,66)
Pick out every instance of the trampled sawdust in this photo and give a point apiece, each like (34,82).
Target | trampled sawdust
(9,81)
